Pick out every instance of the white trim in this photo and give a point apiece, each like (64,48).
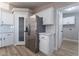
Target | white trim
(16,15)
(20,43)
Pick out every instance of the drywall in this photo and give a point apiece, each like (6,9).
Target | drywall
(71,31)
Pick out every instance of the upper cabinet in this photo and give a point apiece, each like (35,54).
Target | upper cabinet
(6,17)
(9,18)
(0,14)
(48,16)
(69,20)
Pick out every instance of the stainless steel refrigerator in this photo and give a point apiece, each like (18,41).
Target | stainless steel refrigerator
(33,29)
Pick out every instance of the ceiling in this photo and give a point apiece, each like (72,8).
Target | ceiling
(74,9)
(32,5)
(37,5)
(28,4)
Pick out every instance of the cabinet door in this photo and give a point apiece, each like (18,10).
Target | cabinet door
(44,45)
(0,17)
(10,38)
(7,39)
(4,17)
(69,20)
(4,40)
(9,18)
(0,39)
(48,16)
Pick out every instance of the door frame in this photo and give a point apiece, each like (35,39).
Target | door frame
(17,42)
(59,17)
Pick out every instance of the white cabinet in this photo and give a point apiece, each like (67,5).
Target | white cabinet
(48,16)
(0,39)
(6,17)
(0,17)
(46,44)
(69,20)
(6,39)
(0,14)
(9,18)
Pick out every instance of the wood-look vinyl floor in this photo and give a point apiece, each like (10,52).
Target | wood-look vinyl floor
(68,49)
(15,51)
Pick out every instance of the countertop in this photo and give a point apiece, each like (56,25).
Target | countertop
(46,33)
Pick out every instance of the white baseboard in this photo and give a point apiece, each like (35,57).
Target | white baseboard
(71,40)
(19,43)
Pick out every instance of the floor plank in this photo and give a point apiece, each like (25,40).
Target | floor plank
(3,51)
(19,51)
(30,53)
(15,52)
(67,49)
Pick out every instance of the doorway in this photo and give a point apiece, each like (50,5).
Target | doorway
(67,30)
(20,29)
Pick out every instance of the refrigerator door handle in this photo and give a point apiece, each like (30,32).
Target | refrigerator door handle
(29,30)
(26,30)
